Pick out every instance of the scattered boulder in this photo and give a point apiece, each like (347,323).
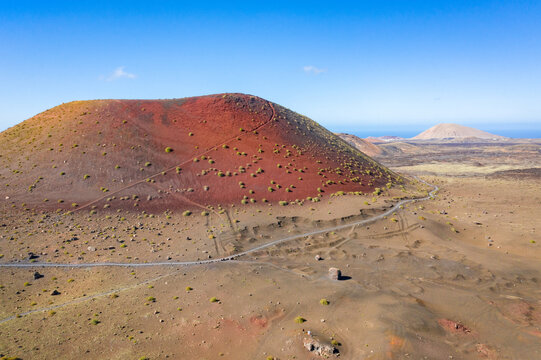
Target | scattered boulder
(318,348)
(91,248)
(318,257)
(32,256)
(55,292)
(335,274)
(37,275)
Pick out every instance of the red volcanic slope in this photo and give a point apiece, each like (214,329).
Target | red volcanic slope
(227,148)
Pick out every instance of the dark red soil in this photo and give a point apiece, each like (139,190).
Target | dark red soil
(87,154)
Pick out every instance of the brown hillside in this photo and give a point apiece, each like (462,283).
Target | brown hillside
(176,154)
(364,146)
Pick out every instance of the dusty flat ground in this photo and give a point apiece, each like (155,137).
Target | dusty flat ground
(453,277)
(460,158)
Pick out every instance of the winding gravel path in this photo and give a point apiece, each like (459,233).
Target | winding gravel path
(396,207)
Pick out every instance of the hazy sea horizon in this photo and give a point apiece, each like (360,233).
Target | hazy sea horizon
(519,133)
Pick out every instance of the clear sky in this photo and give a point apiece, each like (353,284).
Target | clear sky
(381,67)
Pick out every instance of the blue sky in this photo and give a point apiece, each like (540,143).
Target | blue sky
(364,67)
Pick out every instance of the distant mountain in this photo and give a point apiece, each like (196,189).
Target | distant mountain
(447,131)
(364,146)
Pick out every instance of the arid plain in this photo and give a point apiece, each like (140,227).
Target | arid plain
(205,228)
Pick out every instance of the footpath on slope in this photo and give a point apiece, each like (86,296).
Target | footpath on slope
(205,152)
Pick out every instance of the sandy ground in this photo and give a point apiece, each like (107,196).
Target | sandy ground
(454,277)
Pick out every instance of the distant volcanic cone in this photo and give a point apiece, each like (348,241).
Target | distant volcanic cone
(454,131)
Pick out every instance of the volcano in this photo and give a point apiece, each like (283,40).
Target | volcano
(455,131)
(177,154)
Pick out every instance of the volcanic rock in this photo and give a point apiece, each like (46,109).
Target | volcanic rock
(318,348)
